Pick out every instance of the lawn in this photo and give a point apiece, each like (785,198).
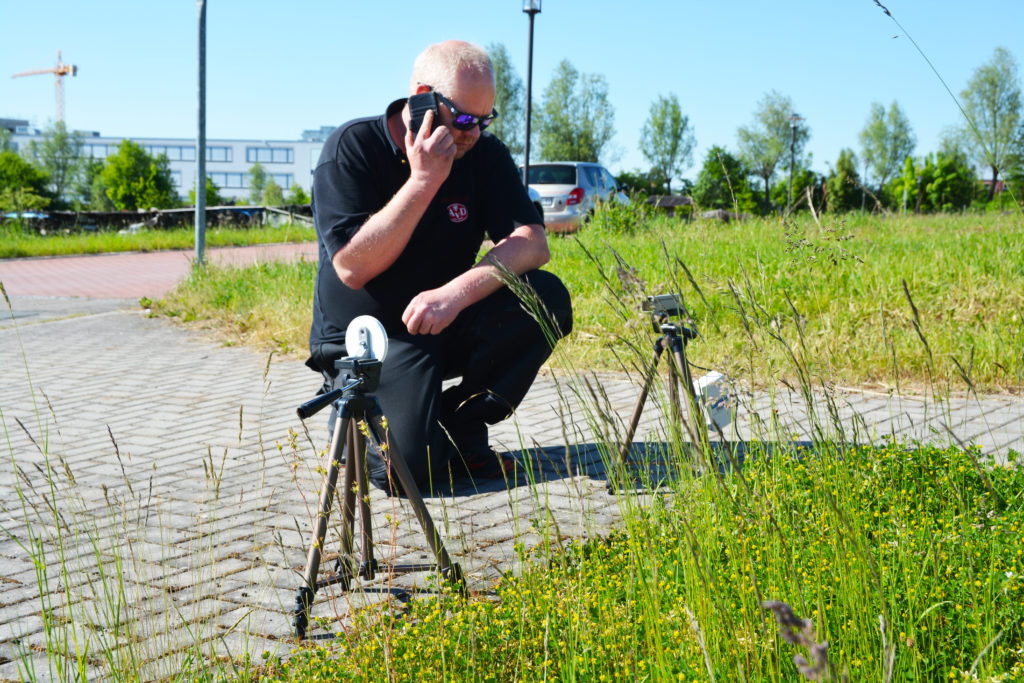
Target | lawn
(889,303)
(18,243)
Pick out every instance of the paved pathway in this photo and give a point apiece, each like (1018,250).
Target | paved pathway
(176,467)
(130,275)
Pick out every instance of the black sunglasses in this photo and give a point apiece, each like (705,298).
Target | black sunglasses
(465,121)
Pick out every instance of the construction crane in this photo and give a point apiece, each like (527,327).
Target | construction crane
(61,70)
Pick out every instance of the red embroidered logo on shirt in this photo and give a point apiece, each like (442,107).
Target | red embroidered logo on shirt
(457,212)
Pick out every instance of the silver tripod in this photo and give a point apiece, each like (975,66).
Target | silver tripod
(355,405)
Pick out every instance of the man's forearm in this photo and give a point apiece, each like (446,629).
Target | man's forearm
(380,241)
(432,311)
(524,250)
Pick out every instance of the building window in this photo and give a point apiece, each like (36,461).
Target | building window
(218,154)
(229,180)
(176,179)
(173,152)
(284,180)
(269,155)
(94,151)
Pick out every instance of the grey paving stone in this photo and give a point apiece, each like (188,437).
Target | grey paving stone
(22,667)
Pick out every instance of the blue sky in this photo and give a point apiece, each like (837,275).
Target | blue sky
(275,69)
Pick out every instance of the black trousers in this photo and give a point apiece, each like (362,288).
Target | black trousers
(495,346)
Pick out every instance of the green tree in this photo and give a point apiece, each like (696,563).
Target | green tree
(644,182)
(764,145)
(213,195)
(921,187)
(5,140)
(953,184)
(723,183)
(17,171)
(88,187)
(667,139)
(132,179)
(1014,179)
(843,184)
(992,103)
(273,195)
(18,199)
(296,195)
(22,183)
(257,182)
(803,179)
(886,141)
(903,188)
(576,121)
(509,98)
(59,154)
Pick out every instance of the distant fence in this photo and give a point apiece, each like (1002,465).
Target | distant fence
(45,222)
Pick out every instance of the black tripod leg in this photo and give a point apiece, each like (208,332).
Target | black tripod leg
(700,432)
(638,409)
(673,387)
(448,569)
(305,593)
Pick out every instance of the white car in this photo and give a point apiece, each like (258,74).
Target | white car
(535,198)
(569,191)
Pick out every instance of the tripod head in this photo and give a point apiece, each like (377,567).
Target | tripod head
(360,374)
(664,307)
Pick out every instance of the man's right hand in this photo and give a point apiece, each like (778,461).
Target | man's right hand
(383,237)
(430,152)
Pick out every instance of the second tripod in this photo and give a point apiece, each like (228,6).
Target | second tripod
(349,445)
(673,338)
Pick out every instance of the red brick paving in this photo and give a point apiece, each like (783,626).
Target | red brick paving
(129,275)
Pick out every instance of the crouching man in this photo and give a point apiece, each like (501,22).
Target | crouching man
(400,218)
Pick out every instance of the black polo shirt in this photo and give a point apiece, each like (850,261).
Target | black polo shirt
(359,171)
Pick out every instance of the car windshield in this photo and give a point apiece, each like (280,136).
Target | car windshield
(552,174)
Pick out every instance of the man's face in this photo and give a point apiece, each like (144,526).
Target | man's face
(472,94)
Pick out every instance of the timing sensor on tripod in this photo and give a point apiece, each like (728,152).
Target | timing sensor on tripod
(366,338)
(366,342)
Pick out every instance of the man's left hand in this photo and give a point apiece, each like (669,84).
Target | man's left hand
(430,312)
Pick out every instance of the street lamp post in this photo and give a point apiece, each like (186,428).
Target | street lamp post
(532,8)
(200,226)
(793,120)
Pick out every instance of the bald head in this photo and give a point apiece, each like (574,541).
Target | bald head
(442,63)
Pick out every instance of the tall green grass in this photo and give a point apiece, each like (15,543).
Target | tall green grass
(860,290)
(266,305)
(907,566)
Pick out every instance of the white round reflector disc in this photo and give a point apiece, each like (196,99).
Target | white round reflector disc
(377,337)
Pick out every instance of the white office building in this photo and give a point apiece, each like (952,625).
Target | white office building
(288,162)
